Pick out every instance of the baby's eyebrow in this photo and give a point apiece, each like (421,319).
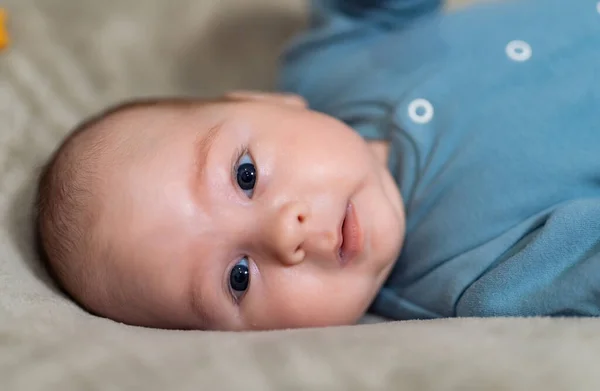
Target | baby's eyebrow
(203,145)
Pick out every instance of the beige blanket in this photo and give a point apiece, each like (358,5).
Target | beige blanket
(71,57)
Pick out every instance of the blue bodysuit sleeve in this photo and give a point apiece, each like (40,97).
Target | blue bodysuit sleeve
(553,271)
(386,14)
(334,51)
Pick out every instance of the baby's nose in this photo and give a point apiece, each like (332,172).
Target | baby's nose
(287,232)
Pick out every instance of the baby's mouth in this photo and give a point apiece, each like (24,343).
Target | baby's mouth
(351,236)
(341,245)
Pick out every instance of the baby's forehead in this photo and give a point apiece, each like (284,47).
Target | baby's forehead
(130,126)
(140,148)
(136,115)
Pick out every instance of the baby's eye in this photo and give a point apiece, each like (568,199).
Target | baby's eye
(239,278)
(246,175)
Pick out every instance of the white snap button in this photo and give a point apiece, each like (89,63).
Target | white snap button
(518,50)
(598,7)
(420,111)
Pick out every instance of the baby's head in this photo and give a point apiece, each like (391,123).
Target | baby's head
(247,212)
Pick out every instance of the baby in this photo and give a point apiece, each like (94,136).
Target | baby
(418,164)
(251,212)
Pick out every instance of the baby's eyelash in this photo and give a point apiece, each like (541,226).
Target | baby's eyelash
(239,153)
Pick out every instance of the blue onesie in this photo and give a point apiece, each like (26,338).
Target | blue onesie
(493,115)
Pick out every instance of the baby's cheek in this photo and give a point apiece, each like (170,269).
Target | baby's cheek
(385,222)
(312,300)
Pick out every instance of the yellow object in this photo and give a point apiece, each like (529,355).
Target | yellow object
(4,39)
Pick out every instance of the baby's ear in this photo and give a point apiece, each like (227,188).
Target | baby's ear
(272,97)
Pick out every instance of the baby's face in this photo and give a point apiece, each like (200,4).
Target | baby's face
(247,215)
